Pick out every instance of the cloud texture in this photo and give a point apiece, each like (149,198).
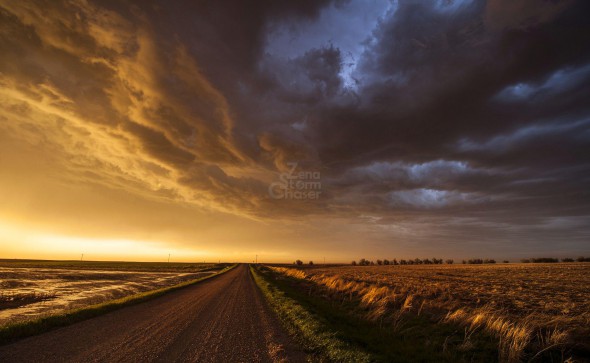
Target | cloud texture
(436,125)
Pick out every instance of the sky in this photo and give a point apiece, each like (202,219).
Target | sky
(225,130)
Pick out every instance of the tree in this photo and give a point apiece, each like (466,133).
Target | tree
(379,262)
(354,263)
(311,263)
(567,259)
(544,260)
(299,262)
(449,262)
(506,261)
(394,262)
(402,262)
(386,262)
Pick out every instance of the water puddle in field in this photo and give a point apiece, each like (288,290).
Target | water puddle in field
(27,293)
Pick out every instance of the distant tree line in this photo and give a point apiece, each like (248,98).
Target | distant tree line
(416,261)
(300,263)
(478,261)
(554,260)
(440,261)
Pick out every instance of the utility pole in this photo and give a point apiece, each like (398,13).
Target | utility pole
(168,258)
(82,257)
(257,259)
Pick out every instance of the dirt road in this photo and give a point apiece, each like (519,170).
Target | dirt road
(223,319)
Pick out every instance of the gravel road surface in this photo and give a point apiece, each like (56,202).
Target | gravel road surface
(223,319)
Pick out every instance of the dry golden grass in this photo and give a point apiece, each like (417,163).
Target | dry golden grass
(529,308)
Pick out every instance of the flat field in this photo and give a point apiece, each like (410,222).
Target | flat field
(533,311)
(30,289)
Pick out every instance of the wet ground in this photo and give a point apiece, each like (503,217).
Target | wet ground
(27,293)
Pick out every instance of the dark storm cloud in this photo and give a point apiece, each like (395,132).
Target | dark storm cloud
(444,85)
(436,74)
(496,88)
(414,112)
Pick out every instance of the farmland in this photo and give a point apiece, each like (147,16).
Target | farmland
(526,312)
(30,289)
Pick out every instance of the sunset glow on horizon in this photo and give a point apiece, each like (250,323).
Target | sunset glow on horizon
(215,131)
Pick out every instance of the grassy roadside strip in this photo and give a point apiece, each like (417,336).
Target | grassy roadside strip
(312,331)
(12,332)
